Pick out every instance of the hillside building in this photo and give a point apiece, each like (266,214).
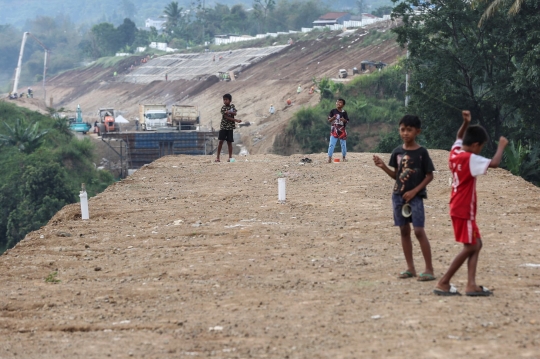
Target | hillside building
(332,18)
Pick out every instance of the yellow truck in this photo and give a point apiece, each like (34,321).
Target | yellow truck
(184,118)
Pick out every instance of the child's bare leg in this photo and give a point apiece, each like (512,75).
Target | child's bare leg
(471,269)
(425,247)
(406,244)
(219,147)
(466,252)
(229,145)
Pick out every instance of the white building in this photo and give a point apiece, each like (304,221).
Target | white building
(159,24)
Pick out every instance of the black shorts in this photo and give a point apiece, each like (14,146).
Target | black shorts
(226,135)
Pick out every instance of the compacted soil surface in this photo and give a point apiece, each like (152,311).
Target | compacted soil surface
(189,258)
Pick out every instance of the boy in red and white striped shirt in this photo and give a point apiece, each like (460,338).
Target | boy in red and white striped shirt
(466,164)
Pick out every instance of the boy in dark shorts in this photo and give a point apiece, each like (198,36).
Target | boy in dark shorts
(338,118)
(227,126)
(413,171)
(466,164)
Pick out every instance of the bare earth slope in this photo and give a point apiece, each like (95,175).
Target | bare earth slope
(270,80)
(189,258)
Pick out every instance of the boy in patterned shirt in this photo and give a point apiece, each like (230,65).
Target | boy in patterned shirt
(466,164)
(227,126)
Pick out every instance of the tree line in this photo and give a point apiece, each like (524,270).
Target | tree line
(42,166)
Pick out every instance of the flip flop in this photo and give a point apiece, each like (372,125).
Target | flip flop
(425,277)
(216,160)
(406,275)
(450,293)
(483,293)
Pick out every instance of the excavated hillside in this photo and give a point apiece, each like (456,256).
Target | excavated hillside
(267,76)
(188,258)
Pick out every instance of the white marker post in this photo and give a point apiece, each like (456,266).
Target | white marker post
(84,202)
(281,190)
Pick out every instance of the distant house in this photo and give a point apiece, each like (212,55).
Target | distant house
(159,24)
(332,18)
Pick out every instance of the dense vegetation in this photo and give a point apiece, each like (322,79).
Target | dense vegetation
(95,11)
(42,166)
(491,69)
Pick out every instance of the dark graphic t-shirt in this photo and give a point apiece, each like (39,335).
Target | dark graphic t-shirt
(226,124)
(411,169)
(338,125)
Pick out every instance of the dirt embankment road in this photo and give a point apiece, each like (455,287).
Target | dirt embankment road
(193,259)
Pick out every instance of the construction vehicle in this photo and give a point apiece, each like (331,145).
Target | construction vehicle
(342,73)
(364,65)
(152,117)
(77,125)
(106,119)
(183,117)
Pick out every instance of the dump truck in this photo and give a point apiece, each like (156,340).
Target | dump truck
(106,121)
(152,117)
(184,118)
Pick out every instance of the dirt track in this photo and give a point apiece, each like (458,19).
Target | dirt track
(189,258)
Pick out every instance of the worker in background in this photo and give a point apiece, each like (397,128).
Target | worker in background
(96,127)
(299,89)
(166,77)
(30,92)
(272,110)
(312,90)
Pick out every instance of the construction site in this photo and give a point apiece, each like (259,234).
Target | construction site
(189,258)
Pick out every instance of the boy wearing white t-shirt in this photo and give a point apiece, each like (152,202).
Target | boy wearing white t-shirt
(466,164)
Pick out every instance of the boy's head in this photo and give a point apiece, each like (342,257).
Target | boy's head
(340,103)
(475,138)
(227,98)
(410,126)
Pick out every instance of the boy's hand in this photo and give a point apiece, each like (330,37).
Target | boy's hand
(407,196)
(466,116)
(378,162)
(503,141)
(238,121)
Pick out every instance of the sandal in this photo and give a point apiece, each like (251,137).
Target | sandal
(425,277)
(450,293)
(483,293)
(217,160)
(406,275)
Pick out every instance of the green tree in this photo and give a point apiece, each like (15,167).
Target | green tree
(106,39)
(261,10)
(26,138)
(44,192)
(173,13)
(452,61)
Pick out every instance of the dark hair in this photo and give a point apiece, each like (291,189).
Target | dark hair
(227,96)
(411,121)
(475,134)
(342,100)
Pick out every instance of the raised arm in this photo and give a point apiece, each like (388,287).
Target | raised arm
(466,121)
(496,160)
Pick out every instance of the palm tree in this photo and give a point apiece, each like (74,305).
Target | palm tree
(494,7)
(173,13)
(25,138)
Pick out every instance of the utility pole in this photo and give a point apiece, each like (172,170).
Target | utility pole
(407,84)
(203,20)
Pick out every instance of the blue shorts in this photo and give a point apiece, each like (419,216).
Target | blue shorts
(417,206)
